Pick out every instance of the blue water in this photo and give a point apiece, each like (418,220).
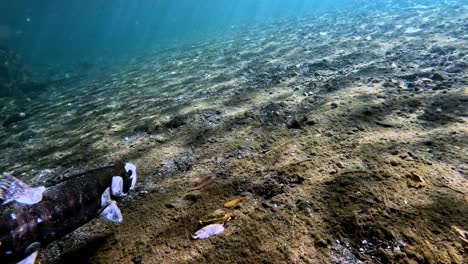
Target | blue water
(56,33)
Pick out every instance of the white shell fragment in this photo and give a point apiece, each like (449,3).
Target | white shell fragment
(209,230)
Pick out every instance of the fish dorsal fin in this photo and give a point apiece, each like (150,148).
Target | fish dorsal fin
(106,197)
(117,186)
(112,213)
(13,189)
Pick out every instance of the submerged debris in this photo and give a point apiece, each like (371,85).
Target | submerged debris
(232,203)
(208,231)
(217,217)
(415,180)
(133,140)
(462,234)
(201,183)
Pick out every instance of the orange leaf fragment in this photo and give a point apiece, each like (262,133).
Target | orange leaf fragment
(232,203)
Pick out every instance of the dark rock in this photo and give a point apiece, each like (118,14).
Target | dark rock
(279,114)
(192,197)
(208,117)
(311,122)
(384,124)
(240,153)
(414,76)
(147,127)
(180,163)
(266,205)
(394,161)
(321,243)
(268,189)
(303,206)
(368,111)
(138,259)
(456,67)
(340,165)
(26,135)
(296,123)
(438,50)
(438,77)
(390,83)
(441,86)
(176,122)
(169,205)
(287,179)
(412,85)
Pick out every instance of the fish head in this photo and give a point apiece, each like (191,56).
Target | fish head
(130,177)
(125,182)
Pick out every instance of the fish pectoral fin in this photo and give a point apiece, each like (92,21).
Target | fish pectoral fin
(112,213)
(13,189)
(31,195)
(31,259)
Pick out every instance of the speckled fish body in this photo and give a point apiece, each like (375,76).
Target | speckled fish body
(63,208)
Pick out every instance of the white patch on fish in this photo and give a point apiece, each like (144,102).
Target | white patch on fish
(112,213)
(129,167)
(106,197)
(117,186)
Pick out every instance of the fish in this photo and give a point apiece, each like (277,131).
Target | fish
(31,217)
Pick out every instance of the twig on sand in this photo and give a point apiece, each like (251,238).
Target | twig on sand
(288,165)
(277,147)
(201,183)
